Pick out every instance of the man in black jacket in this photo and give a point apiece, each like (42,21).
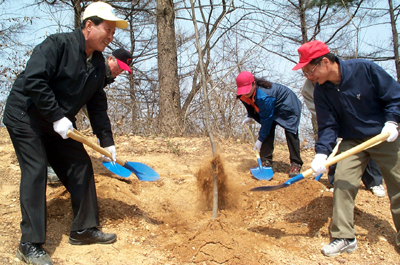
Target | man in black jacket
(119,61)
(64,73)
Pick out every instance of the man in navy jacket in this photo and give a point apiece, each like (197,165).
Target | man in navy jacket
(354,100)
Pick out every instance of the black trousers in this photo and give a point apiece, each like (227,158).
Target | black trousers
(293,142)
(36,144)
(371,177)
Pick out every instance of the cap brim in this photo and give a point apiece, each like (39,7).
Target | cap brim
(124,66)
(119,22)
(243,89)
(300,65)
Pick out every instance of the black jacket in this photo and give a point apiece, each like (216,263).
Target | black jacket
(57,83)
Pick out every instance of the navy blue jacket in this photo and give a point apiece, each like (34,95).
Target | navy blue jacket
(278,103)
(358,107)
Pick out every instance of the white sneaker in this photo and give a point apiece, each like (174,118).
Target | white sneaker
(339,245)
(378,191)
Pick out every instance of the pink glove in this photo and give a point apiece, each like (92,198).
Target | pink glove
(62,126)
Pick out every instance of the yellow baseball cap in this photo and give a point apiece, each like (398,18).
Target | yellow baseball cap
(104,11)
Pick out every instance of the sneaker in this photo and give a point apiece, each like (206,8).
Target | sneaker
(378,191)
(339,245)
(51,175)
(266,163)
(91,236)
(294,170)
(33,253)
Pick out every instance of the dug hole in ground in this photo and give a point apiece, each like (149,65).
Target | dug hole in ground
(169,221)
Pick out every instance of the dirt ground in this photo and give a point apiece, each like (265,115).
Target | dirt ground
(169,221)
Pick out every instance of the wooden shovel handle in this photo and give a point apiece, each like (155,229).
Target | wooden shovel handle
(252,138)
(335,149)
(78,136)
(356,149)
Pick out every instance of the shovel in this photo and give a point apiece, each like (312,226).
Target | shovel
(367,144)
(260,172)
(120,167)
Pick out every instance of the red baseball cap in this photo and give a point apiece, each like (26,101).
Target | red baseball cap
(244,81)
(309,51)
(124,59)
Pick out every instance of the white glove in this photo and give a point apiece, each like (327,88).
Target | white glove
(318,164)
(113,152)
(247,120)
(257,145)
(391,127)
(62,126)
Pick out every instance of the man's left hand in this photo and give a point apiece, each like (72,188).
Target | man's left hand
(258,145)
(391,127)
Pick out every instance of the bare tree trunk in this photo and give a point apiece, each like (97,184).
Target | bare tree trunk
(170,105)
(207,112)
(303,23)
(395,40)
(77,12)
(132,97)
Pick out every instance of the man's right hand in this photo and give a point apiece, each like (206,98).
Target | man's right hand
(62,126)
(247,120)
(318,164)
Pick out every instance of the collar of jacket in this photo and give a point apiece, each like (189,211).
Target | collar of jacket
(250,100)
(97,56)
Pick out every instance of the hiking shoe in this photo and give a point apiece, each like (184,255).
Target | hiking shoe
(51,175)
(378,191)
(294,170)
(91,236)
(33,253)
(339,245)
(266,163)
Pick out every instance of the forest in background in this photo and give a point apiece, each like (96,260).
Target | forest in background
(188,53)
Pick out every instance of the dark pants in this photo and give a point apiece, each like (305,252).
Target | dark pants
(35,145)
(293,142)
(371,177)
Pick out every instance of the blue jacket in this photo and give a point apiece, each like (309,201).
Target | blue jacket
(278,103)
(358,107)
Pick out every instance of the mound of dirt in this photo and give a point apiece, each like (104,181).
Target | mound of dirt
(169,221)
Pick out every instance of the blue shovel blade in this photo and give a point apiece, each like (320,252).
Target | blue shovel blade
(262,173)
(117,169)
(142,171)
(287,183)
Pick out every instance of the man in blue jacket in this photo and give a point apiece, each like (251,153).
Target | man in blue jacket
(272,104)
(64,73)
(354,100)
(372,176)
